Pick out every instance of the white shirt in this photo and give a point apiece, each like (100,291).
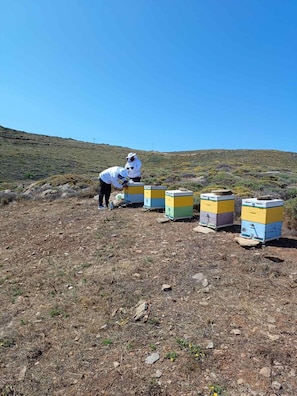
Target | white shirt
(111,176)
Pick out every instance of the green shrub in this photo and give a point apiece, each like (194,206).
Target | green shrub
(243,192)
(288,193)
(290,214)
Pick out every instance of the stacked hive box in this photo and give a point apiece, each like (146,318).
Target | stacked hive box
(134,192)
(178,204)
(261,219)
(154,197)
(217,210)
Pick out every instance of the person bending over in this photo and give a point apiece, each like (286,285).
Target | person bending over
(115,176)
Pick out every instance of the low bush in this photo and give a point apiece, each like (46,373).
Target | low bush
(290,214)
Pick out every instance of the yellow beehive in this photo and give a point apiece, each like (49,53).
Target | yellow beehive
(213,203)
(262,211)
(154,197)
(134,192)
(179,204)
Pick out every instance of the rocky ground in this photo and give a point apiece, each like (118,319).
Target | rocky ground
(121,303)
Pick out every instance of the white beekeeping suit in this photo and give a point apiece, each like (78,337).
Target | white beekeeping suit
(133,166)
(115,175)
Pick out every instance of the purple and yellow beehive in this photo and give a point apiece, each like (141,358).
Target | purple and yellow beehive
(261,219)
(134,192)
(154,197)
(216,210)
(179,204)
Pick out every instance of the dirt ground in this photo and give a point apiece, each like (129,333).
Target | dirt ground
(120,303)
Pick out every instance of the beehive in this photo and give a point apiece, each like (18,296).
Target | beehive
(179,204)
(134,192)
(261,219)
(154,197)
(216,210)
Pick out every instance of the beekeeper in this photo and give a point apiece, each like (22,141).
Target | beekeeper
(115,176)
(133,166)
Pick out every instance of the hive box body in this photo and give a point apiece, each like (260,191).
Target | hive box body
(261,219)
(216,211)
(154,197)
(262,211)
(261,232)
(215,221)
(217,203)
(179,204)
(134,192)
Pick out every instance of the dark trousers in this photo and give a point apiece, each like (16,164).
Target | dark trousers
(104,192)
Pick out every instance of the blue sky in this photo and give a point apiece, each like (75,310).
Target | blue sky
(164,75)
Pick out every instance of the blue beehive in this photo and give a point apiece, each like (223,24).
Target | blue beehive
(261,219)
(154,197)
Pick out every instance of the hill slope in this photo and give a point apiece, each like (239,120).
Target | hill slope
(26,156)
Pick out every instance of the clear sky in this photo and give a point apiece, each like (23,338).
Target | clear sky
(164,75)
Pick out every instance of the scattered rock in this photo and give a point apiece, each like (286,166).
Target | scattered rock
(166,287)
(22,373)
(293,373)
(273,337)
(140,310)
(163,219)
(151,359)
(265,372)
(198,277)
(158,374)
(276,385)
(235,332)
(271,319)
(209,345)
(205,282)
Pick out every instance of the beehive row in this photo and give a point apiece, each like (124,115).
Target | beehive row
(260,219)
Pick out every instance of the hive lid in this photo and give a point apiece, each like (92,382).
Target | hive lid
(155,187)
(222,192)
(265,198)
(262,203)
(134,184)
(179,192)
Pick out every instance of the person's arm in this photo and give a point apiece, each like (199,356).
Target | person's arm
(116,184)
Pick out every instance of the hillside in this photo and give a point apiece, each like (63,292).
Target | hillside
(29,157)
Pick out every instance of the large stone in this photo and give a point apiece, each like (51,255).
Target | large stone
(245,242)
(152,358)
(203,230)
(140,310)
